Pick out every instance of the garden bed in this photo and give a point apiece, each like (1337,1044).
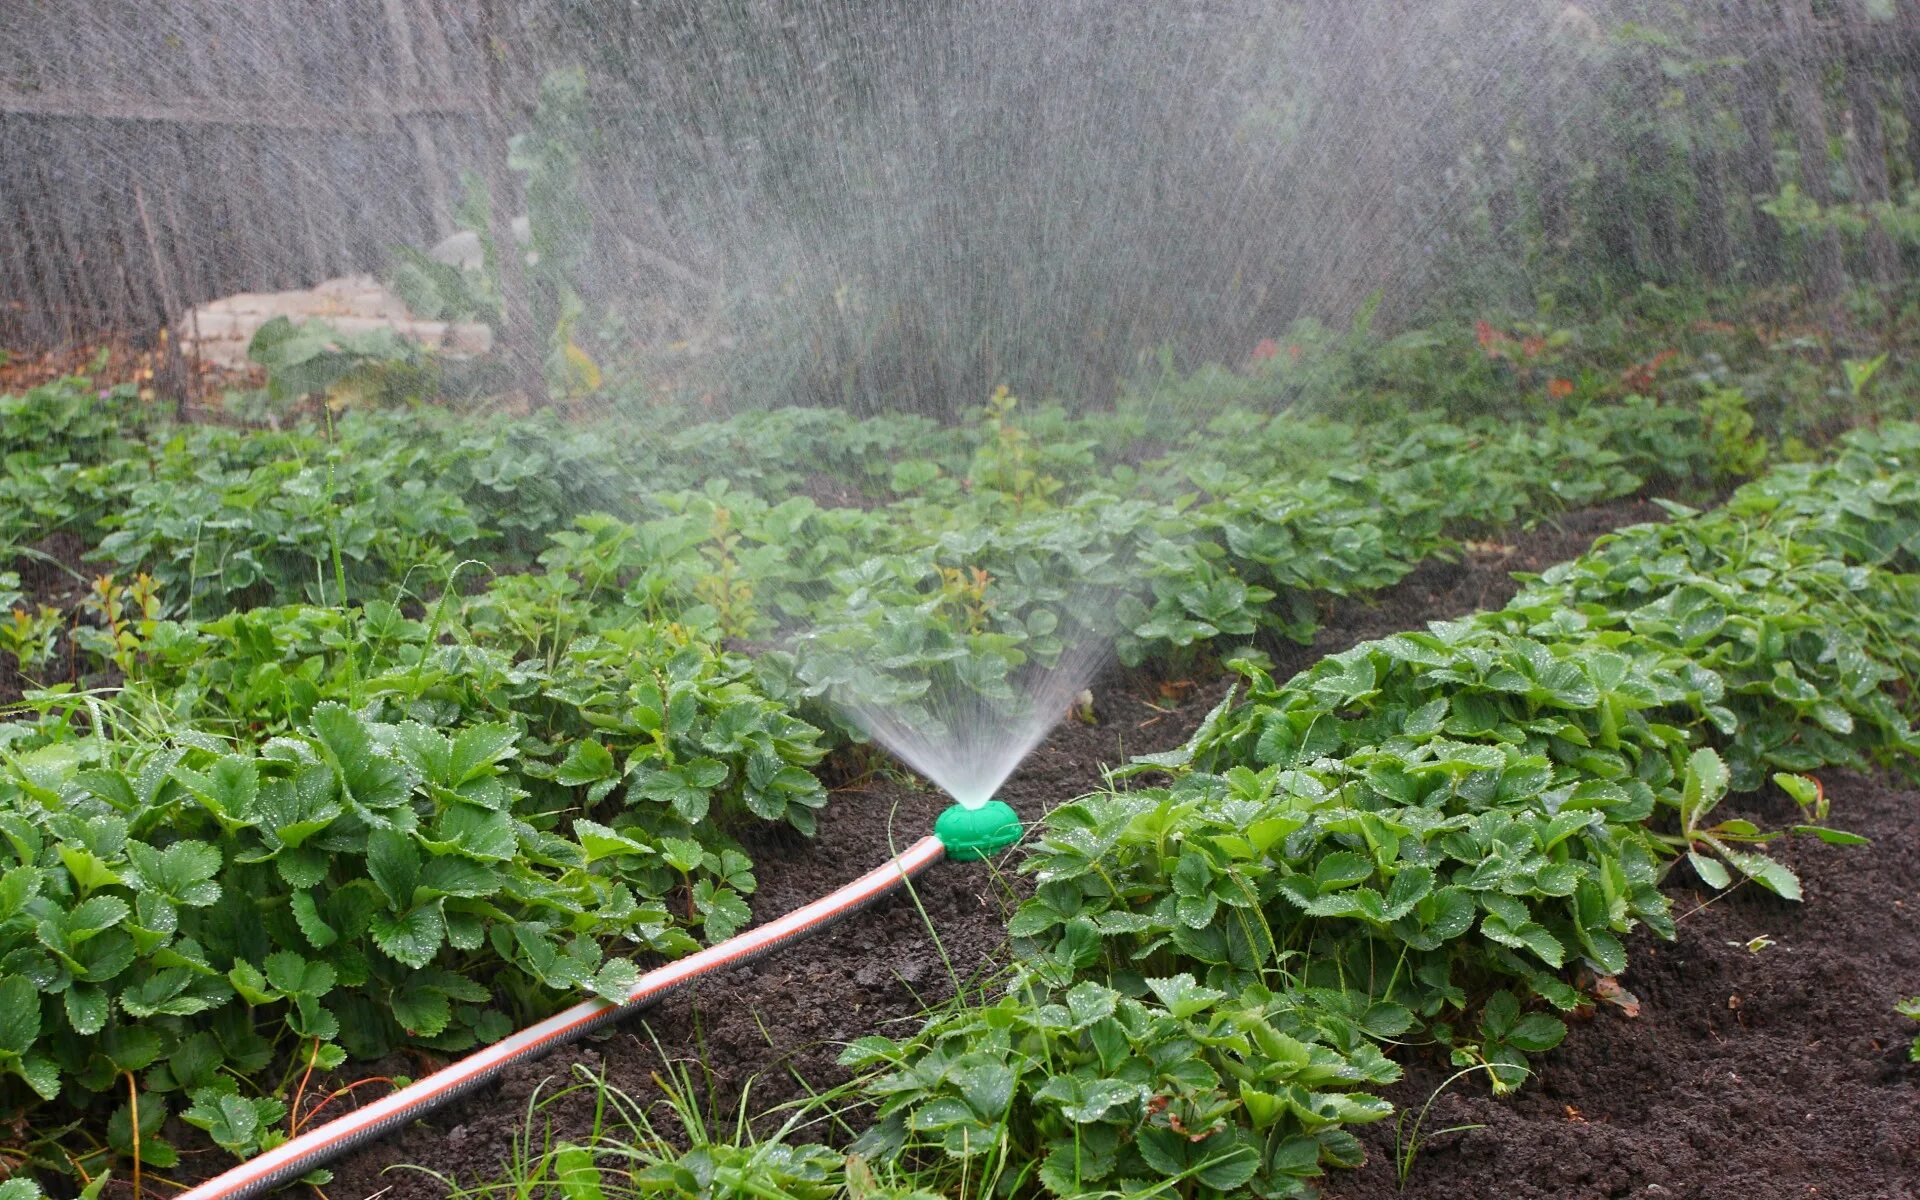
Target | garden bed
(1766,1060)
(53,575)
(760,1030)
(300,624)
(1771,1072)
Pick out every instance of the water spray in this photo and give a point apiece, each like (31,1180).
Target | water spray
(969,753)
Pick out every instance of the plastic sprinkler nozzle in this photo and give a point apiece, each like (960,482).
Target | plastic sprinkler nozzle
(974,833)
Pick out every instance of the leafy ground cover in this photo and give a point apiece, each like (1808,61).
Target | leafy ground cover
(291,788)
(761,1040)
(1413,839)
(1759,1010)
(1215,977)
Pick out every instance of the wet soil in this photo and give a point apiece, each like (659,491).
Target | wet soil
(186,384)
(831,491)
(1765,1063)
(771,1032)
(55,577)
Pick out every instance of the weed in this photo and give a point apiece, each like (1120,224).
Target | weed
(1910,1008)
(29,636)
(1408,1138)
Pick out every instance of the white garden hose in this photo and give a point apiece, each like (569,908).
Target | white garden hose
(294,1158)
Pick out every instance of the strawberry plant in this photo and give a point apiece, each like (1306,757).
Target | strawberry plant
(297,833)
(1430,831)
(342,889)
(683,731)
(1183,1087)
(29,637)
(70,421)
(215,533)
(1505,1039)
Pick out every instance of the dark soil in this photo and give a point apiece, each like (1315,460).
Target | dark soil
(760,1031)
(1765,1060)
(831,491)
(1755,1070)
(161,375)
(52,583)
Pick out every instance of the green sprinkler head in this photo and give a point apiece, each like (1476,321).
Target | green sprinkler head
(974,833)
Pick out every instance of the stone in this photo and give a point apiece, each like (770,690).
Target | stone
(463,249)
(220,331)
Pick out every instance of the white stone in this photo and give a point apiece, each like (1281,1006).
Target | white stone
(463,249)
(220,331)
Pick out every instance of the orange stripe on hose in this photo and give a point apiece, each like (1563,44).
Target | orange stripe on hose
(315,1147)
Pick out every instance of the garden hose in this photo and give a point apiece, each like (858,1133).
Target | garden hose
(292,1159)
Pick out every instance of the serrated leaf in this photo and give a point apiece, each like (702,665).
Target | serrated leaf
(1769,873)
(422,1012)
(1183,996)
(19,1014)
(88,869)
(1088,1002)
(1710,871)
(86,1007)
(1536,1033)
(412,939)
(313,927)
(1342,868)
(17,886)
(1706,784)
(393,860)
(183,872)
(1447,913)
(302,868)
(229,789)
(92,917)
(368,776)
(478,748)
(1411,884)
(723,909)
(616,980)
(1832,837)
(232,1122)
(985,1084)
(600,842)
(131,1047)
(450,876)
(587,763)
(40,1074)
(683,854)
(251,984)
(1084,1101)
(295,976)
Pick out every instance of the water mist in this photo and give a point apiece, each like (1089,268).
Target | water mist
(967,738)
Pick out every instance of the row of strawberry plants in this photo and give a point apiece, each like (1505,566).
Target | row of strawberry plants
(224,518)
(247,753)
(626,748)
(1418,841)
(1200,556)
(892,595)
(359,837)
